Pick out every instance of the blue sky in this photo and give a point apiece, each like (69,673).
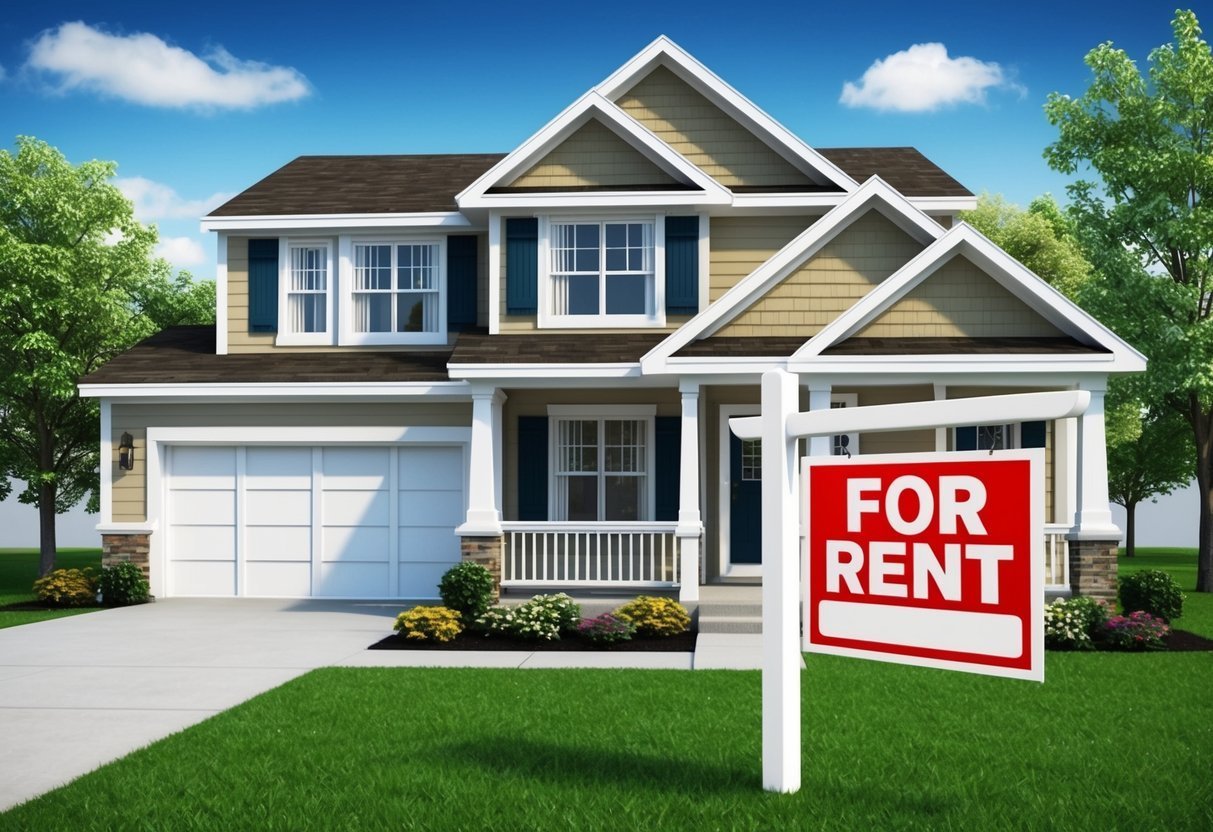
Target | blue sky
(254,87)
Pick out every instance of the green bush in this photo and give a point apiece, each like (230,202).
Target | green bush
(607,628)
(1152,591)
(467,588)
(123,584)
(655,616)
(67,588)
(1136,631)
(543,618)
(429,624)
(1074,623)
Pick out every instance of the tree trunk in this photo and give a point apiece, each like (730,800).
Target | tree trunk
(1130,529)
(47,492)
(1204,485)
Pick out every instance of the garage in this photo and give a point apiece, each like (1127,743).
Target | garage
(350,521)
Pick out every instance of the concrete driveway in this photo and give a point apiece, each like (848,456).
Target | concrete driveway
(78,692)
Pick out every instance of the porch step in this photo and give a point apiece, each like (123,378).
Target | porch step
(723,617)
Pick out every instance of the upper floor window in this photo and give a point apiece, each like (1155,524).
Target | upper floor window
(395,293)
(307,293)
(602,273)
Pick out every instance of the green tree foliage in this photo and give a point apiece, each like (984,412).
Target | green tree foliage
(78,285)
(1146,224)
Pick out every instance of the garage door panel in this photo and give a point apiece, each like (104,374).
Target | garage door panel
(421,508)
(203,508)
(278,467)
(289,580)
(438,543)
(203,578)
(369,580)
(355,543)
(355,468)
(278,508)
(278,543)
(420,580)
(432,468)
(355,508)
(204,467)
(203,542)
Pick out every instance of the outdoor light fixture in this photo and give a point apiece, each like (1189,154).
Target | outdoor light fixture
(126,452)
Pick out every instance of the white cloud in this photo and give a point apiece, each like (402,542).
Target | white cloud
(157,201)
(182,252)
(924,78)
(143,69)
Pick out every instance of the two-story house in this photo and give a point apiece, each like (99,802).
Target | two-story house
(531,359)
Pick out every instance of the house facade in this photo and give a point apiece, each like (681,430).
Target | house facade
(530,359)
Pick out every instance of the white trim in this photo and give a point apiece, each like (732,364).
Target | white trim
(221,294)
(338,435)
(285,335)
(127,527)
(496,222)
(543,371)
(724,476)
(309,222)
(705,261)
(346,335)
(614,411)
(107,464)
(279,390)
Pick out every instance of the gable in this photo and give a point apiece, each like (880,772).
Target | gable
(707,136)
(593,156)
(846,268)
(959,299)
(738,245)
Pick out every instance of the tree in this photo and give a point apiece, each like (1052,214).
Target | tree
(1147,226)
(77,287)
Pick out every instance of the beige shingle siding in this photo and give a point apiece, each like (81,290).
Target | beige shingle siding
(739,245)
(705,134)
(129,491)
(848,267)
(959,299)
(593,155)
(239,339)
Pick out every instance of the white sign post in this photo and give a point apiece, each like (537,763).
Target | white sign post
(780,427)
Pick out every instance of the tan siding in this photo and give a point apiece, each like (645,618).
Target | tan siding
(129,492)
(593,155)
(738,245)
(705,134)
(846,269)
(959,299)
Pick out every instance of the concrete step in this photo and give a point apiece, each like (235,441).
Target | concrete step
(729,624)
(739,609)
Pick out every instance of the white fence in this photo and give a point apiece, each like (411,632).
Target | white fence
(601,554)
(1057,556)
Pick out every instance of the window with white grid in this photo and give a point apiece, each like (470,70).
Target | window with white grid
(307,289)
(396,288)
(602,270)
(601,469)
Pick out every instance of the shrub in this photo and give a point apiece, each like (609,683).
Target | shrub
(1074,623)
(67,588)
(1152,591)
(429,624)
(467,588)
(497,621)
(543,618)
(654,616)
(1135,631)
(123,584)
(607,628)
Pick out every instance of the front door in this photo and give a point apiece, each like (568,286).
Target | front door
(745,501)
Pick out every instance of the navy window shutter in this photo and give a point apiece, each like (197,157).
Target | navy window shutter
(532,468)
(263,285)
(460,282)
(681,265)
(1032,435)
(668,454)
(966,439)
(521,265)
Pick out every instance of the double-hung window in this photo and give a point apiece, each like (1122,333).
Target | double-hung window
(307,293)
(396,293)
(602,466)
(602,273)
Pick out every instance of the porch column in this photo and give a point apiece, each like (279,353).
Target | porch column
(819,399)
(690,524)
(481,534)
(1094,539)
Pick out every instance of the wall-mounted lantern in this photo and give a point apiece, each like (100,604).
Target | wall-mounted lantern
(126,452)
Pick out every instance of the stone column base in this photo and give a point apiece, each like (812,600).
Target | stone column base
(1093,568)
(126,548)
(485,551)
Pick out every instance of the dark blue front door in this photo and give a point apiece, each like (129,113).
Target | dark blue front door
(745,501)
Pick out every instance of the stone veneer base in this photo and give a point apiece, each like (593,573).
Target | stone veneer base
(1093,568)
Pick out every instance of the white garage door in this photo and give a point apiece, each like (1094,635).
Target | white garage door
(338,522)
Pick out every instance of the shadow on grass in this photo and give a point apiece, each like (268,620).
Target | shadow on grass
(575,765)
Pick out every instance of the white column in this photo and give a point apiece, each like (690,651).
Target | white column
(1065,471)
(483,518)
(107,463)
(690,524)
(498,443)
(1093,518)
(819,399)
(941,434)
(780,588)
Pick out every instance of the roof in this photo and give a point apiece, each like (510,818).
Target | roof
(429,183)
(766,346)
(547,348)
(186,355)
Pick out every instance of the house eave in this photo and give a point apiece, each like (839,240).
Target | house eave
(433,219)
(435,391)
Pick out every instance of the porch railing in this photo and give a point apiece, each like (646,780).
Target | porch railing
(590,554)
(1057,556)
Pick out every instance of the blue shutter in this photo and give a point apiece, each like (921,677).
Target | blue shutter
(521,265)
(460,282)
(681,265)
(1032,435)
(532,468)
(262,285)
(966,439)
(668,453)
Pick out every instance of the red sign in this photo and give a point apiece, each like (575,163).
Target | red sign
(928,559)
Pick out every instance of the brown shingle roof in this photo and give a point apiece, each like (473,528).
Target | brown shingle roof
(186,355)
(907,170)
(768,346)
(544,348)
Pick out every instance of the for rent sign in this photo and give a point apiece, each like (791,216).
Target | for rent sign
(928,559)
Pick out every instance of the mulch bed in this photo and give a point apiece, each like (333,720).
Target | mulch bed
(683,643)
(1181,641)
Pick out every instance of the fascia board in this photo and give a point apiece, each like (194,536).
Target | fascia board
(275,390)
(983,366)
(613,199)
(289,222)
(543,371)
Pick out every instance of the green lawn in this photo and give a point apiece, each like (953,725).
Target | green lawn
(1110,741)
(19,568)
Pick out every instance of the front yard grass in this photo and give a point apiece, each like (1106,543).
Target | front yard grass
(1110,741)
(19,568)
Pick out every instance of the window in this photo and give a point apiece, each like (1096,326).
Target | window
(396,290)
(751,460)
(306,307)
(601,467)
(602,273)
(985,438)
